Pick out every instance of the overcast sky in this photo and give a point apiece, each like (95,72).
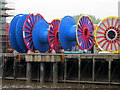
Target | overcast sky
(51,9)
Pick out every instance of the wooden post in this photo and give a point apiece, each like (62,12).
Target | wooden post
(79,70)
(29,72)
(14,67)
(109,71)
(4,67)
(38,76)
(1,66)
(65,69)
(55,72)
(42,72)
(93,70)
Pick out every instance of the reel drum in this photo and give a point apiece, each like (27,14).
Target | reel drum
(12,33)
(72,34)
(28,29)
(107,35)
(84,33)
(53,37)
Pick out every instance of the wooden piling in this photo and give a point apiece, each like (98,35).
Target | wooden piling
(55,72)
(65,69)
(109,71)
(93,70)
(15,67)
(4,68)
(29,72)
(79,68)
(42,72)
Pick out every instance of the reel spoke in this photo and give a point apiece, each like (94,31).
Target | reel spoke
(102,28)
(116,23)
(108,23)
(101,32)
(102,40)
(103,25)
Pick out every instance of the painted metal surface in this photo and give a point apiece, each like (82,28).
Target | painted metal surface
(28,28)
(19,33)
(53,38)
(84,33)
(40,36)
(107,35)
(12,32)
(67,33)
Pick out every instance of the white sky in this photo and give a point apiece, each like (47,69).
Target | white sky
(51,9)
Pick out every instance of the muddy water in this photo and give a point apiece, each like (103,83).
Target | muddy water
(23,85)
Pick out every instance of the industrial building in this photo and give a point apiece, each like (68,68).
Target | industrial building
(4,26)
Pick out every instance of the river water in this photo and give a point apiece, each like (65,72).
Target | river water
(23,85)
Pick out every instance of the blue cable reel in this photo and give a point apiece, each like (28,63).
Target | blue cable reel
(19,33)
(67,33)
(16,34)
(12,33)
(80,34)
(45,36)
(28,28)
